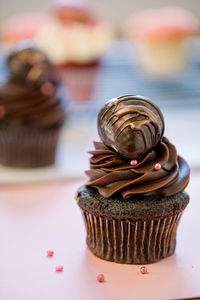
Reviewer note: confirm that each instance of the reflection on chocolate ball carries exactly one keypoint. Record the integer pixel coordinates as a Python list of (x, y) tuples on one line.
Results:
[(28, 65), (131, 124)]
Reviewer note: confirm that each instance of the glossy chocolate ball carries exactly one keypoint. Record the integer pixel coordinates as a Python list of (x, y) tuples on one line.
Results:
[(131, 124), (28, 65)]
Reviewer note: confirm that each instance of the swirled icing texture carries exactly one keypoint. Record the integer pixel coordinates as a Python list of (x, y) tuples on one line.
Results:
[(131, 124), (111, 173), (23, 98)]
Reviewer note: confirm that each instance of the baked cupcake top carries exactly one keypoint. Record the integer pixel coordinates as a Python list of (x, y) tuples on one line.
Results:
[(134, 157), (162, 24), (30, 93)]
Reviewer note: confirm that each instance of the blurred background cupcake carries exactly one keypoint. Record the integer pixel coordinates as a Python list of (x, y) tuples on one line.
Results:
[(31, 110), (161, 37), (21, 26), (74, 41)]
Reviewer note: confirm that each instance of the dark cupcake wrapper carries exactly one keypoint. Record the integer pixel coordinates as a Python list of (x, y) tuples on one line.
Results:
[(28, 147), (131, 241)]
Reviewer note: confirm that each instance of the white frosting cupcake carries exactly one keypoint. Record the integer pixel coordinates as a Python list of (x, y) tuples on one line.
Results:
[(72, 35), (75, 43)]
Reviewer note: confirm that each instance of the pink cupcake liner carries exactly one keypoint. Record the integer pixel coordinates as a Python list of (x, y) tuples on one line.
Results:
[(80, 81)]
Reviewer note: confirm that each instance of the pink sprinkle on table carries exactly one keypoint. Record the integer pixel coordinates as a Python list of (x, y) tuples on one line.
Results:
[(59, 269), (133, 162), (100, 278), (157, 167), (50, 253), (143, 270)]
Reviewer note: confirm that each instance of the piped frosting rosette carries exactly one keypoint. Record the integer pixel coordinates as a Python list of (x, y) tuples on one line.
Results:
[(156, 168)]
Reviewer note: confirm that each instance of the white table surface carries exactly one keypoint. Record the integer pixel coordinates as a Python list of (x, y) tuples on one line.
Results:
[(38, 217)]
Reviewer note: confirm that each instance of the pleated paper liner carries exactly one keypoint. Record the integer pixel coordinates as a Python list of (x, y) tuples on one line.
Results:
[(80, 80), (130, 241), (28, 147)]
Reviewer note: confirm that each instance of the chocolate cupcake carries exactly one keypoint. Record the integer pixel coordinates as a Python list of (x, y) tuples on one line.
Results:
[(31, 111), (135, 196)]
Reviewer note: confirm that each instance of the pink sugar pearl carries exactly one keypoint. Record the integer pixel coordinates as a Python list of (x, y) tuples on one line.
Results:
[(50, 253), (100, 278), (143, 270), (133, 162), (59, 269), (47, 89), (157, 167)]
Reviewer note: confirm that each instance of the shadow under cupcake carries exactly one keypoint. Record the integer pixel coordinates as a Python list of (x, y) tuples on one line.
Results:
[(31, 112)]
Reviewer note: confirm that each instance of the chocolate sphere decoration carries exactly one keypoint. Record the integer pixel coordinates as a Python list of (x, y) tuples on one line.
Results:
[(131, 124), (28, 65)]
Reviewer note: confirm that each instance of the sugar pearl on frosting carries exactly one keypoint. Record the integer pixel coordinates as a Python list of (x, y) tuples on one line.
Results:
[(133, 162), (157, 167), (50, 253), (47, 89)]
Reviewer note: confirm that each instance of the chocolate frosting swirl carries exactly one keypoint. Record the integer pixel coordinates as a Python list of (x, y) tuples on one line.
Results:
[(30, 94), (131, 128), (112, 173), (131, 124)]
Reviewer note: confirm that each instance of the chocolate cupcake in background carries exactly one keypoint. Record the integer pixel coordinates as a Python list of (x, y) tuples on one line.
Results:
[(135, 196), (31, 111)]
